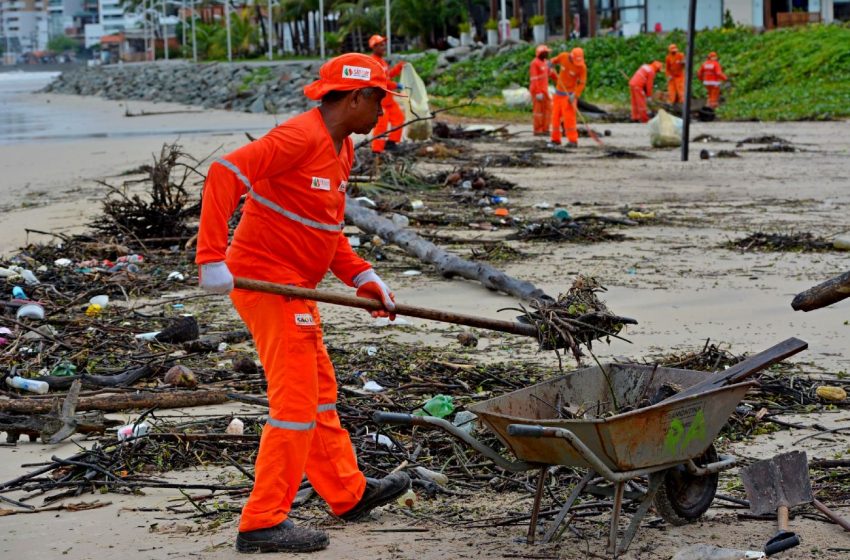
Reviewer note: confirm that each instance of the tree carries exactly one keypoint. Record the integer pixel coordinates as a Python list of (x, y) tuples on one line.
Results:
[(427, 19), (61, 44), (360, 19)]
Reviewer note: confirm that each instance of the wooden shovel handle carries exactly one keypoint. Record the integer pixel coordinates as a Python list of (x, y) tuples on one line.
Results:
[(374, 305), (782, 518), (832, 515)]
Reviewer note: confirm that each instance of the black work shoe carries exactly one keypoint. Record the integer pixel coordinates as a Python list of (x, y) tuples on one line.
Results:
[(572, 145), (378, 493), (283, 537), (391, 146)]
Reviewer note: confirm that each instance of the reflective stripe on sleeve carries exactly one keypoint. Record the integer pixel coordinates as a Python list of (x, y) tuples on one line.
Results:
[(294, 426), (276, 207), (326, 407)]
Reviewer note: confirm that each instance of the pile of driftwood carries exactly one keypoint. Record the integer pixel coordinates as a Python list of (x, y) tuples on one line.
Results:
[(801, 242)]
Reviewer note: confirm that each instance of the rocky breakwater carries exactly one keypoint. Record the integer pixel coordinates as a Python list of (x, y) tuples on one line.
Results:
[(254, 87)]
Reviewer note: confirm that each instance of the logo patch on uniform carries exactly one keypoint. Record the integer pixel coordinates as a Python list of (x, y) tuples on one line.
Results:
[(320, 183), (304, 320), (357, 73), (343, 186)]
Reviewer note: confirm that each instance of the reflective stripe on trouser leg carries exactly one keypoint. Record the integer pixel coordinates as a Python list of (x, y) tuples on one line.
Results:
[(542, 115), (331, 464), (288, 354), (559, 109), (381, 127)]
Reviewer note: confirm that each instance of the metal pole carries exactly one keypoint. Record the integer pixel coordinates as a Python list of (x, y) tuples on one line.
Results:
[(322, 29), (689, 75), (269, 30), (227, 25), (194, 39), (389, 28), (164, 31), (183, 27)]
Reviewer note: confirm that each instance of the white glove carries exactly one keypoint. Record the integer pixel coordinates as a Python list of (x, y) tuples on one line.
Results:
[(370, 285), (539, 97), (215, 278)]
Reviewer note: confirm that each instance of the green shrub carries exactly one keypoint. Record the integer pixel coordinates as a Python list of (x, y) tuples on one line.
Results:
[(537, 20), (491, 25)]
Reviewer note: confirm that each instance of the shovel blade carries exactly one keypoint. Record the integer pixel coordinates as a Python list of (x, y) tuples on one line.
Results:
[(780, 481)]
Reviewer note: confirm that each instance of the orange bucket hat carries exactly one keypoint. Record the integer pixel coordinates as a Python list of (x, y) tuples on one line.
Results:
[(541, 49), (577, 54), (348, 72)]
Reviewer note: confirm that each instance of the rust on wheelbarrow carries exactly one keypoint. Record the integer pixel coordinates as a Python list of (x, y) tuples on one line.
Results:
[(608, 410)]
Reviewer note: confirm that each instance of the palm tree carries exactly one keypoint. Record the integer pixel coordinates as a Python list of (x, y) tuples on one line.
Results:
[(360, 18)]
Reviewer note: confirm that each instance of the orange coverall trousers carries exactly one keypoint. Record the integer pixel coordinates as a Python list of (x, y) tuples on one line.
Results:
[(713, 96), (542, 109), (393, 116), (303, 433), (676, 89), (562, 109), (639, 105)]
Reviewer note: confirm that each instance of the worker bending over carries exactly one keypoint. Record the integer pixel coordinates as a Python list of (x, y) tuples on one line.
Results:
[(295, 178), (539, 74), (570, 84), (674, 69), (711, 75), (393, 116), (641, 88)]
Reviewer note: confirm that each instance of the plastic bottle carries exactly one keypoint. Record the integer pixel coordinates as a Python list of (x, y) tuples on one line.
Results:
[(30, 385), (433, 476), (439, 406), (133, 430), (408, 499)]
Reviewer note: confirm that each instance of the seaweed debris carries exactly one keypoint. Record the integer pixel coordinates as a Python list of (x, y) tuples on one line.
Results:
[(802, 242)]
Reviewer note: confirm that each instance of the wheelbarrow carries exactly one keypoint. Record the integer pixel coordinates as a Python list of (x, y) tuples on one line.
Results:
[(618, 422)]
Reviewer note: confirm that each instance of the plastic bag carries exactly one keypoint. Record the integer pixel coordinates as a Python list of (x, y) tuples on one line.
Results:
[(416, 104), (665, 130), (516, 97)]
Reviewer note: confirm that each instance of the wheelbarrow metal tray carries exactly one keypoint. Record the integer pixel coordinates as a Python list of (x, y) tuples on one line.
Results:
[(641, 438)]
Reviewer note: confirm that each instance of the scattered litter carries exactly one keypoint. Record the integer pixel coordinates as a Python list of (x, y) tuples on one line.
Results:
[(148, 336), (466, 421), (366, 201), (400, 220), (542, 205), (764, 139), (411, 272), (18, 293), (561, 214), (176, 275), (180, 376), (665, 130), (235, 428), (711, 552), (101, 300), (30, 310), (385, 322), (639, 216), (439, 406), (381, 440), (832, 394), (408, 499), (373, 387), (31, 385), (792, 242), (417, 204), (93, 310), (708, 138), (842, 243), (133, 430), (63, 262), (432, 476), (370, 350), (707, 154), (617, 153)]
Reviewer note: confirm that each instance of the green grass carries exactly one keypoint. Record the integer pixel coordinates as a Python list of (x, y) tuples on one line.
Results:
[(790, 74)]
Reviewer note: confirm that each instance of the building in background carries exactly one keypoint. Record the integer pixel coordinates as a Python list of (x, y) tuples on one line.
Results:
[(24, 26)]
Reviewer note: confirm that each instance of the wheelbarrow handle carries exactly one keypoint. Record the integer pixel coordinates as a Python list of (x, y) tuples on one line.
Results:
[(397, 418)]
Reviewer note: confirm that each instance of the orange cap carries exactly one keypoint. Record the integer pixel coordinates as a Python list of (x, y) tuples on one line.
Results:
[(657, 65), (577, 54), (712, 55), (376, 40), (672, 48), (541, 49), (348, 72)]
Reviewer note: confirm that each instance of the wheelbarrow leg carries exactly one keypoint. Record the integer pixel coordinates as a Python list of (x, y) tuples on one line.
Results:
[(577, 490), (637, 518), (615, 518), (538, 497)]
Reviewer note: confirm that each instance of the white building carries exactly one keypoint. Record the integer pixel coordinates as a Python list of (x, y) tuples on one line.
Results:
[(24, 25)]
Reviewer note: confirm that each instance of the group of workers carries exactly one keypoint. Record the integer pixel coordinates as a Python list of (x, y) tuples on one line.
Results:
[(571, 78), (641, 83)]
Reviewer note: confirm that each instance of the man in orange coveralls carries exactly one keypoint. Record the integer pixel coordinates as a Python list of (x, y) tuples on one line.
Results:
[(295, 179), (393, 115), (569, 87), (641, 88), (711, 75), (674, 69), (539, 74)]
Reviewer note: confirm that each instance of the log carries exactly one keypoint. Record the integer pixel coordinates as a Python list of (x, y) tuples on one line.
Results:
[(829, 292), (447, 264), (122, 401), (123, 379)]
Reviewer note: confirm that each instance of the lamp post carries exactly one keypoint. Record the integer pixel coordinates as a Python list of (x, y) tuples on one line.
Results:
[(504, 23), (269, 32), (322, 29), (183, 26), (389, 29), (194, 40), (164, 31), (227, 25)]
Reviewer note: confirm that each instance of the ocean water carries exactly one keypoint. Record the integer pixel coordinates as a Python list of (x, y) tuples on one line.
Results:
[(20, 117)]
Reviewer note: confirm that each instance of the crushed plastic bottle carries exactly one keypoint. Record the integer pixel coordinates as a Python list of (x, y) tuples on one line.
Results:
[(235, 428), (31, 385), (465, 420), (64, 369), (433, 476), (133, 430), (30, 310), (439, 406)]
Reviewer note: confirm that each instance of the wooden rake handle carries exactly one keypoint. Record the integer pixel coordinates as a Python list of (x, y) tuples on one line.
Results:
[(374, 305)]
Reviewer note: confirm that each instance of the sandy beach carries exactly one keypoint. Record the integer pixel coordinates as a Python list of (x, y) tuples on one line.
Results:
[(672, 277)]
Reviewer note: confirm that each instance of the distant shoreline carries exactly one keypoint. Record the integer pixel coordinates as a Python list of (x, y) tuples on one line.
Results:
[(33, 68)]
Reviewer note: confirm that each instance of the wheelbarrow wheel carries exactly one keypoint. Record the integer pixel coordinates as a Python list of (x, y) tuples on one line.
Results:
[(682, 498)]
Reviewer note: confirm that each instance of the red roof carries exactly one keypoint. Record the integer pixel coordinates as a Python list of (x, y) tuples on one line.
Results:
[(115, 39)]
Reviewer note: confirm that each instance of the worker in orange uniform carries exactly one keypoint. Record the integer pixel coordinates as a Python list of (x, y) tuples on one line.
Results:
[(571, 80), (711, 75), (674, 69), (393, 115), (539, 74), (295, 178), (641, 88)]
